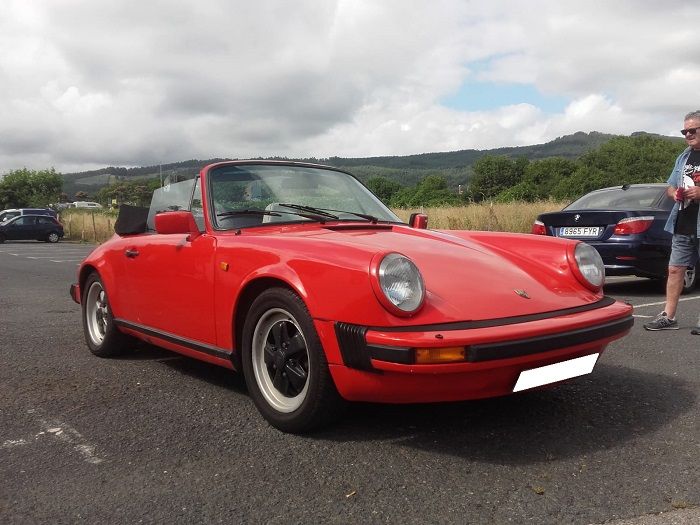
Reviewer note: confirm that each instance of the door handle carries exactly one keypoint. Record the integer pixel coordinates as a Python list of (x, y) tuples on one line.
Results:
[(131, 253)]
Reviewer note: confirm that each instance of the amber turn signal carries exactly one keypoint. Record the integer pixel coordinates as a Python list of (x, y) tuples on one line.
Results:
[(439, 355)]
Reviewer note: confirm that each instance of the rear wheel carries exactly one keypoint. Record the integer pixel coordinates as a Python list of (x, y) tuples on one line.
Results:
[(284, 364), (2, 238), (101, 334), (53, 237)]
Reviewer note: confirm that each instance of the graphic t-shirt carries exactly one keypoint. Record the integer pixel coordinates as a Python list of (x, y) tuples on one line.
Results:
[(687, 221)]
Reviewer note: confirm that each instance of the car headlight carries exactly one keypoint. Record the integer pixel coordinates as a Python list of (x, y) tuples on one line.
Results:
[(589, 266), (399, 284)]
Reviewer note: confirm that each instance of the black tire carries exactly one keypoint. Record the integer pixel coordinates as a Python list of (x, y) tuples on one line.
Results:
[(53, 237), (101, 334), (284, 365), (690, 280), (2, 238)]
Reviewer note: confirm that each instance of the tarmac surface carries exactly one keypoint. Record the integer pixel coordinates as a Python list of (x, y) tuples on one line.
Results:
[(155, 437)]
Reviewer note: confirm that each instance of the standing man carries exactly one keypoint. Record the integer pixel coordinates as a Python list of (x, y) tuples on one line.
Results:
[(682, 222)]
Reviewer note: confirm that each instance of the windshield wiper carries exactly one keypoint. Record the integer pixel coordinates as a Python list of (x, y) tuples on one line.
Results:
[(310, 209), (326, 212), (320, 216), (247, 212)]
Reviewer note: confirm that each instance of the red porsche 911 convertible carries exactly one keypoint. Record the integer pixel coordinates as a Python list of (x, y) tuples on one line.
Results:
[(299, 277)]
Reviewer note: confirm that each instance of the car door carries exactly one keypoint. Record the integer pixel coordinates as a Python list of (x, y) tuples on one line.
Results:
[(171, 278), (22, 228)]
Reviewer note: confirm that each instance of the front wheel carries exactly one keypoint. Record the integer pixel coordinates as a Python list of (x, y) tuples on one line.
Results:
[(101, 334), (284, 364)]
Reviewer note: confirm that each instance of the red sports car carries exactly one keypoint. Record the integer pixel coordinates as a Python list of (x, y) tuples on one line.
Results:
[(299, 277)]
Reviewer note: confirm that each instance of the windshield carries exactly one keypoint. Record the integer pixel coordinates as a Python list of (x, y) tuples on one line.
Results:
[(631, 198), (255, 194)]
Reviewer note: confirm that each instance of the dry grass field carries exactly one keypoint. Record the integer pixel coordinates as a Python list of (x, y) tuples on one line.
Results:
[(98, 226)]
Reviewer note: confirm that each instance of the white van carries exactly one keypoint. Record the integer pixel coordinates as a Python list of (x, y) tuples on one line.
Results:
[(86, 204)]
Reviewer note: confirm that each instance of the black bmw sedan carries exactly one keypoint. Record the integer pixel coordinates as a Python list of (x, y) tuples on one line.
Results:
[(625, 224)]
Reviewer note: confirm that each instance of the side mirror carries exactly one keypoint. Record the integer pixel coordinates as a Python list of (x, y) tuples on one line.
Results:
[(418, 221), (169, 222)]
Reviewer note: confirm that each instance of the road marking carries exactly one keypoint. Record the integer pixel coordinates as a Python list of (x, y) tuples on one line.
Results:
[(659, 303), (63, 432)]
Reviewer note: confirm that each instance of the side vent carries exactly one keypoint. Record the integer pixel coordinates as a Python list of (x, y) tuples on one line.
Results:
[(353, 346)]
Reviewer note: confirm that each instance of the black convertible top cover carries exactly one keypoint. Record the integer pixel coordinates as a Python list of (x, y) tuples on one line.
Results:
[(131, 220)]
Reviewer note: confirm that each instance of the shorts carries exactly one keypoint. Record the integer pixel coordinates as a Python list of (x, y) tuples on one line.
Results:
[(684, 251)]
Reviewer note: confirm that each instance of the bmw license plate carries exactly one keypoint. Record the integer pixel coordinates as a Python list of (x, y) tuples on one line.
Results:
[(580, 231), (556, 372)]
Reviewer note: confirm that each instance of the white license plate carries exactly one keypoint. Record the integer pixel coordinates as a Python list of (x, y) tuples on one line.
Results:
[(580, 231), (555, 372)]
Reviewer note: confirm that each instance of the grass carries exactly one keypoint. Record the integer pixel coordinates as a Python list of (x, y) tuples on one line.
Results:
[(98, 226), (514, 217)]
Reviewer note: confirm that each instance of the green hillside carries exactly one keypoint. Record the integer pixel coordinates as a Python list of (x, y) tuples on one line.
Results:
[(455, 166)]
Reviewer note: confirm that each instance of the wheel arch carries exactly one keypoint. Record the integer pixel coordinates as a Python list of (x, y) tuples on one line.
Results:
[(248, 294)]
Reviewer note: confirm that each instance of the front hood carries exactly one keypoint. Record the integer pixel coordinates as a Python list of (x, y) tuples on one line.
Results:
[(465, 278)]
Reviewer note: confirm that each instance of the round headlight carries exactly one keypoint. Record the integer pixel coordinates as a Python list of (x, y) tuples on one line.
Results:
[(590, 265), (401, 282)]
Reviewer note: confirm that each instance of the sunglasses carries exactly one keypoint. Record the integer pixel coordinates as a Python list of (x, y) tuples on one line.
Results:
[(689, 131)]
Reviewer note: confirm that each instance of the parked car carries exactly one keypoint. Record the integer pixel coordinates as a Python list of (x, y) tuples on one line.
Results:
[(28, 227), (86, 204), (298, 276), (15, 212), (625, 224)]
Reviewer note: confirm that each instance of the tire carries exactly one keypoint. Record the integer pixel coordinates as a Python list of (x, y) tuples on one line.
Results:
[(2, 238), (101, 334), (53, 237), (284, 365), (690, 280)]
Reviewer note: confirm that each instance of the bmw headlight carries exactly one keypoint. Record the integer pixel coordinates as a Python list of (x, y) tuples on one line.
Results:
[(401, 284), (590, 266)]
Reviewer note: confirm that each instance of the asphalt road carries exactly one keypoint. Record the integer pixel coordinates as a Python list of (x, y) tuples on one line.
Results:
[(156, 438)]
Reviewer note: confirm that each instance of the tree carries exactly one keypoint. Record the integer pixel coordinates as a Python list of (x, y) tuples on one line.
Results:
[(431, 191), (383, 188), (492, 175), (29, 188), (136, 192), (539, 179)]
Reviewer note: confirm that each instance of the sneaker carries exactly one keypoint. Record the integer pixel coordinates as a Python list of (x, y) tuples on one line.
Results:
[(662, 322)]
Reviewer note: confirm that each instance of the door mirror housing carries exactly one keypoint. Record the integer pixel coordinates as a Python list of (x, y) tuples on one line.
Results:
[(170, 222), (418, 221)]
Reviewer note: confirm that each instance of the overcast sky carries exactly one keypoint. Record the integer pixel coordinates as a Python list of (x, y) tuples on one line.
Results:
[(93, 83)]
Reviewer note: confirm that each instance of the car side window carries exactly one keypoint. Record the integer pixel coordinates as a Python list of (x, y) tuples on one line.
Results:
[(25, 221), (44, 220)]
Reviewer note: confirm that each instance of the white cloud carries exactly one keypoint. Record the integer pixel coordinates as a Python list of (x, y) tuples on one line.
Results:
[(90, 83)]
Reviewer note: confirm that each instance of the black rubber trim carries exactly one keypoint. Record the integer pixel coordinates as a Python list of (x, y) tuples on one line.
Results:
[(353, 345), (393, 354), (522, 347), (165, 336), (489, 323)]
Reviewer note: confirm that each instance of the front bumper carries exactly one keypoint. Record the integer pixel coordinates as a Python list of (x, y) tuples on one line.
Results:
[(375, 364)]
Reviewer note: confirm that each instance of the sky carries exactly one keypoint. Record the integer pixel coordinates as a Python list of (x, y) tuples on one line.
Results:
[(86, 84)]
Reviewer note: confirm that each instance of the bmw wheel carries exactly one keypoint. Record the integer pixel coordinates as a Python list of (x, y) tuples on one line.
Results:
[(101, 334), (284, 364)]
